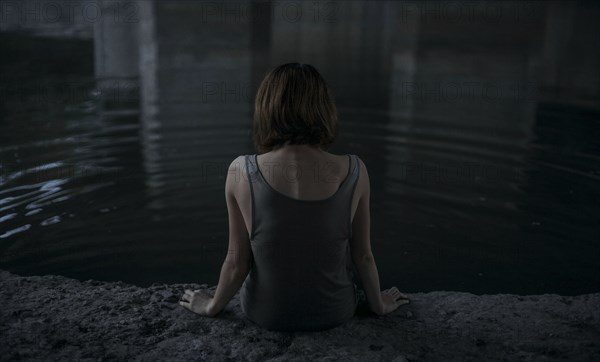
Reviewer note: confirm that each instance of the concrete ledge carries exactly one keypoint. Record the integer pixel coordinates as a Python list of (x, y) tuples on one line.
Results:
[(53, 318)]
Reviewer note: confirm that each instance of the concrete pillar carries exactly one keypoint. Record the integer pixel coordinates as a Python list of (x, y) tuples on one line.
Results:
[(570, 67), (196, 66), (116, 53)]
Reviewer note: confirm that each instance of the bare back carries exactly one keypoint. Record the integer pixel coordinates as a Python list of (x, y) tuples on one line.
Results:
[(303, 176)]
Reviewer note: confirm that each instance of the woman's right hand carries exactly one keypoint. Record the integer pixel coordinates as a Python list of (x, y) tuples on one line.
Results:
[(392, 299)]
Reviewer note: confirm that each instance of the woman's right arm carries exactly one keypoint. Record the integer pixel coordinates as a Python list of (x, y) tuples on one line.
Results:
[(362, 257)]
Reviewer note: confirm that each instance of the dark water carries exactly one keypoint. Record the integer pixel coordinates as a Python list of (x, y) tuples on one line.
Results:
[(495, 199)]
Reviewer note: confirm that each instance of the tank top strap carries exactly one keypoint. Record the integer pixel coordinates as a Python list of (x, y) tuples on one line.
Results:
[(254, 174), (250, 165), (354, 171), (347, 186), (251, 176)]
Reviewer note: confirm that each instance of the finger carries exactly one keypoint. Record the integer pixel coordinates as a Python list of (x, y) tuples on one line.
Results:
[(403, 295), (184, 299), (394, 289), (188, 293), (395, 292), (403, 301), (185, 304)]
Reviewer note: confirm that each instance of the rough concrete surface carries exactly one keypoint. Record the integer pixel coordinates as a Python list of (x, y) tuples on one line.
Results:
[(54, 318)]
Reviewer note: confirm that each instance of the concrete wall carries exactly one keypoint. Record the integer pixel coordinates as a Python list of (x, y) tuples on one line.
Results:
[(49, 18)]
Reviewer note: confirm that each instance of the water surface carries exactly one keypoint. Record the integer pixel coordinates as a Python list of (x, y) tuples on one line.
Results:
[(469, 195)]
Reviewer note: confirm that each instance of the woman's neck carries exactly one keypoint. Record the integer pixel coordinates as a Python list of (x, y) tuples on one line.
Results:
[(288, 149)]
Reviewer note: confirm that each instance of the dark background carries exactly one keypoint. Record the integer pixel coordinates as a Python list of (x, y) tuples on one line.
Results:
[(478, 122)]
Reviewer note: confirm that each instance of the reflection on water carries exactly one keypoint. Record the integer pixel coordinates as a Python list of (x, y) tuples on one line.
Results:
[(480, 192)]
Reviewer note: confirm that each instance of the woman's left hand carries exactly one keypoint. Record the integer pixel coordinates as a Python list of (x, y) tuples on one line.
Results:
[(198, 301)]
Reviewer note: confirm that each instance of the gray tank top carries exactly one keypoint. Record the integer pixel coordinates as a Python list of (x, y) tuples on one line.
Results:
[(301, 277)]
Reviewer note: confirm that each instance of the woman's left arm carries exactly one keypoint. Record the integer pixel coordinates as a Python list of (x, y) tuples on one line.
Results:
[(239, 255)]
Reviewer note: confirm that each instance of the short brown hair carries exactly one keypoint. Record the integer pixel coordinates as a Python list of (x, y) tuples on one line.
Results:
[(294, 103)]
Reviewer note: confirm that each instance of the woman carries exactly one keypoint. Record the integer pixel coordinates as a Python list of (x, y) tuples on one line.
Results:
[(298, 216)]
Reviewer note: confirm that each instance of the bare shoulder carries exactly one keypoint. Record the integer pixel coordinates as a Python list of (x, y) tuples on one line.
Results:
[(237, 164), (235, 173)]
